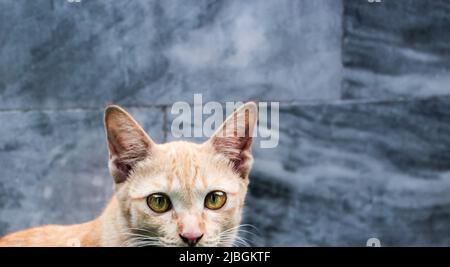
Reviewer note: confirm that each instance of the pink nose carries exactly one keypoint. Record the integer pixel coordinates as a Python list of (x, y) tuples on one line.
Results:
[(191, 238)]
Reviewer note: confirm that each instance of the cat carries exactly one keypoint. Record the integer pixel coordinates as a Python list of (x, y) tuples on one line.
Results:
[(173, 194)]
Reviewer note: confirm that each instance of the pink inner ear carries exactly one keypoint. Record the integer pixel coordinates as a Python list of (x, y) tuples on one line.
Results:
[(241, 165), (122, 172), (237, 150), (127, 152)]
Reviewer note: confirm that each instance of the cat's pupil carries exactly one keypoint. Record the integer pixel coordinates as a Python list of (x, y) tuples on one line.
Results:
[(159, 201)]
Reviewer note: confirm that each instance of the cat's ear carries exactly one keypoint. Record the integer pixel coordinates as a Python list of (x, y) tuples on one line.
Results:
[(233, 139), (127, 142)]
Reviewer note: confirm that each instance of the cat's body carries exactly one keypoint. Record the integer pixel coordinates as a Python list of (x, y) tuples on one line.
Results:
[(173, 194), (101, 232)]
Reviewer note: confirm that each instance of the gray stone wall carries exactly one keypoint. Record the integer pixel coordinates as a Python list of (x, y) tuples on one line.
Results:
[(364, 90)]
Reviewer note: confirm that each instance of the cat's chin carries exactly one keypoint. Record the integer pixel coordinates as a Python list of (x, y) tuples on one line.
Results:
[(203, 244)]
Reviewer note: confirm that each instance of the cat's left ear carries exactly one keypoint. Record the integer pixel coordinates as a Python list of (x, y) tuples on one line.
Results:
[(127, 142), (234, 138)]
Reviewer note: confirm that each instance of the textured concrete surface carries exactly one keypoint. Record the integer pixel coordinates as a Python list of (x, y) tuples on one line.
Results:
[(54, 165), (350, 171), (396, 49), (60, 54), (364, 122)]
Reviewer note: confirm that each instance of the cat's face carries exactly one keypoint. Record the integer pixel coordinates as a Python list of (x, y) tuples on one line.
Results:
[(181, 193)]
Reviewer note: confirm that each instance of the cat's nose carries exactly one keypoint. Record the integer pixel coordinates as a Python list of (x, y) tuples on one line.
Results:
[(191, 238)]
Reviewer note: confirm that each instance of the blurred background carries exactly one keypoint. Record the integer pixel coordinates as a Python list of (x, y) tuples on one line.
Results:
[(364, 92)]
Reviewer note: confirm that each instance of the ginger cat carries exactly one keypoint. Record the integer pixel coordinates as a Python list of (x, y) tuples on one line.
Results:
[(173, 194)]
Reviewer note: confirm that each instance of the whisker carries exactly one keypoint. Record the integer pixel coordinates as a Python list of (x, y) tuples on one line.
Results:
[(140, 237), (232, 236)]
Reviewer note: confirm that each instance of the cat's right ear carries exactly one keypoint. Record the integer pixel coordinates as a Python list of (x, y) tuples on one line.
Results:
[(127, 142)]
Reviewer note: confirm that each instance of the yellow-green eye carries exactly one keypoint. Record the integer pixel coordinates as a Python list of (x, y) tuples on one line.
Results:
[(159, 202), (215, 200)]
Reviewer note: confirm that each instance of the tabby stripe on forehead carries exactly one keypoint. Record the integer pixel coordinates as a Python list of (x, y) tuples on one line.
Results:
[(169, 181)]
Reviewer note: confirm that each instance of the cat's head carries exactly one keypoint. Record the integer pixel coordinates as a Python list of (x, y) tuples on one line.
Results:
[(181, 193)]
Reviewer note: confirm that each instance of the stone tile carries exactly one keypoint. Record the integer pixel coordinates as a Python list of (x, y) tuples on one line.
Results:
[(396, 49), (54, 165), (57, 54), (346, 172), (342, 173)]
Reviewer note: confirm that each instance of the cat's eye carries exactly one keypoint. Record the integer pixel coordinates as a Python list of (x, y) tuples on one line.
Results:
[(215, 200), (159, 202)]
